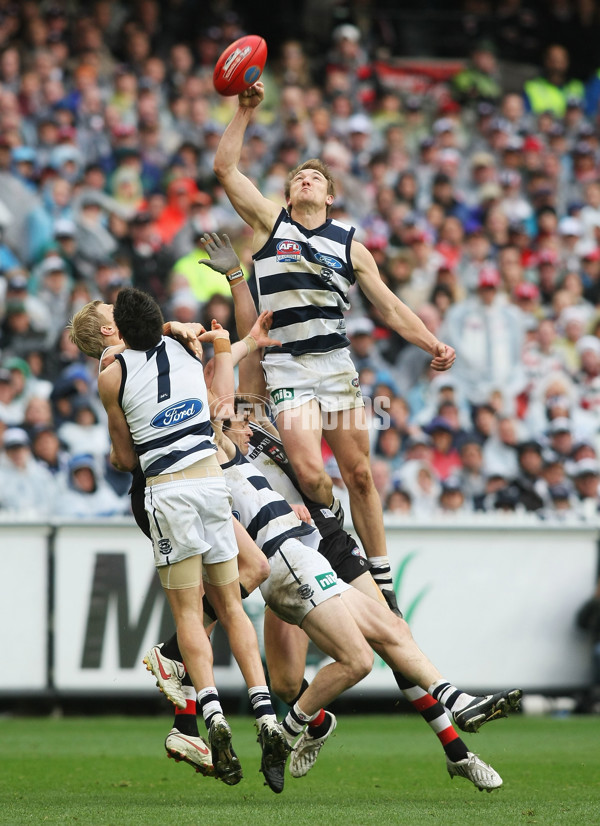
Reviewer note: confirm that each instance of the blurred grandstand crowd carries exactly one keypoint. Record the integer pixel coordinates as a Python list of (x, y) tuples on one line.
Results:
[(480, 203)]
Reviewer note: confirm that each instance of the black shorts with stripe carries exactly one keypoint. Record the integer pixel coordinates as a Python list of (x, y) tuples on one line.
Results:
[(342, 553)]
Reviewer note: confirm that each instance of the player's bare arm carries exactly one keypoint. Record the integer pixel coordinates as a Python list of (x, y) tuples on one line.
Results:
[(256, 210), (222, 388), (394, 312), (122, 451), (224, 259)]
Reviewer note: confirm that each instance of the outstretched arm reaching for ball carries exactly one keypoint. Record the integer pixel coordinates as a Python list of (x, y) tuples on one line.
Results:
[(257, 211)]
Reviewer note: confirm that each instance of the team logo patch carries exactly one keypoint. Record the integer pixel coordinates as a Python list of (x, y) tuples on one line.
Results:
[(251, 74), (177, 413), (288, 251), (326, 275), (328, 260), (284, 394), (327, 580), (277, 455), (164, 546), (305, 592), (355, 382)]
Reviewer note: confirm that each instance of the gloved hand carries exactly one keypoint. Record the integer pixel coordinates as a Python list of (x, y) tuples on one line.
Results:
[(222, 256)]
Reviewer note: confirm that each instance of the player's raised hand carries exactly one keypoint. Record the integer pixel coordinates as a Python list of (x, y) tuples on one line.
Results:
[(252, 97), (444, 357), (260, 330), (222, 257)]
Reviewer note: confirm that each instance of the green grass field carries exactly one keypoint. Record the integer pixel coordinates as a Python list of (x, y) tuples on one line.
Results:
[(376, 769)]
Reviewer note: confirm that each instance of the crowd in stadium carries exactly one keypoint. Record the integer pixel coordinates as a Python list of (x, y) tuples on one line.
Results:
[(480, 204)]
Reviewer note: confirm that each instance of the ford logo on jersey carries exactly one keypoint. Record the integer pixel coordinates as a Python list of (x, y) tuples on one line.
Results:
[(288, 251), (328, 261), (177, 413)]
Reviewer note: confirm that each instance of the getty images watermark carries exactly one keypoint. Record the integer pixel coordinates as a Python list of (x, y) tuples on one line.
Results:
[(370, 414)]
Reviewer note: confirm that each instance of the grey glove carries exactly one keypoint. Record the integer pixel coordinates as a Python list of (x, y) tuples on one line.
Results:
[(222, 256)]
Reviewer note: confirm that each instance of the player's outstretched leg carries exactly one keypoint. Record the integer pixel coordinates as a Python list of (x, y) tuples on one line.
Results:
[(484, 709), (309, 744), (224, 759), (168, 673), (192, 750), (275, 752), (472, 768)]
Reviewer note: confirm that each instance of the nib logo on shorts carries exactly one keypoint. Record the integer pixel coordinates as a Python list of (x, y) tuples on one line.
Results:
[(326, 580), (284, 394)]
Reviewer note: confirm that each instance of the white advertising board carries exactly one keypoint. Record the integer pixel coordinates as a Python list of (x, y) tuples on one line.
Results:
[(24, 608), (491, 608)]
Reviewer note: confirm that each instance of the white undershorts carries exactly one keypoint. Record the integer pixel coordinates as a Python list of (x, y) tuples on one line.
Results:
[(330, 378), (300, 579), (189, 517)]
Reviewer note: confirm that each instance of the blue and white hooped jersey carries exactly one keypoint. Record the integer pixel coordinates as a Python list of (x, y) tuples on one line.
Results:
[(163, 396), (265, 514), (303, 276)]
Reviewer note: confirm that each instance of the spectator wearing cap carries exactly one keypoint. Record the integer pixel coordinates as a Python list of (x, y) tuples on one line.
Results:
[(585, 475), (85, 432), (477, 255), (363, 347), (530, 483), (86, 494), (444, 195), (418, 478), (26, 487), (452, 499), (55, 293), (590, 212), (471, 476), (480, 80), (500, 449), (18, 287), (587, 379), (560, 436), (550, 91), (147, 258), (49, 452), (526, 296), (541, 357), (571, 325), (348, 57), (444, 458), (487, 334), (590, 271), (398, 501), (205, 216)]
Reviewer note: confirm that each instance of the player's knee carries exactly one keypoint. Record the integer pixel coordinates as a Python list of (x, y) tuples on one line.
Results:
[(363, 664), (252, 576), (359, 478), (284, 687), (310, 477)]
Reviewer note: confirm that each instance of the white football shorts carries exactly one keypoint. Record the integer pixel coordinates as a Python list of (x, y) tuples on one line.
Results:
[(330, 378), (188, 517), (300, 579)]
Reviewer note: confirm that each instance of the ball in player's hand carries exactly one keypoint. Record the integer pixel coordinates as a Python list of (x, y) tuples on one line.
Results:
[(240, 65)]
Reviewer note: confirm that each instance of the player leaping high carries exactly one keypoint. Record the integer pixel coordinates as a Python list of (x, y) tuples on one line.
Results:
[(305, 264)]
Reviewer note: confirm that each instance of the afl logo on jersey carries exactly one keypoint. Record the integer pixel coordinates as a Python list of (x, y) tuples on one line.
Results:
[(328, 261), (288, 251), (177, 413)]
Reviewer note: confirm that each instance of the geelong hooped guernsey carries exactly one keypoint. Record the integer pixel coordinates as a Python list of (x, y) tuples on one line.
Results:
[(268, 455), (163, 396), (265, 514), (303, 276)]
